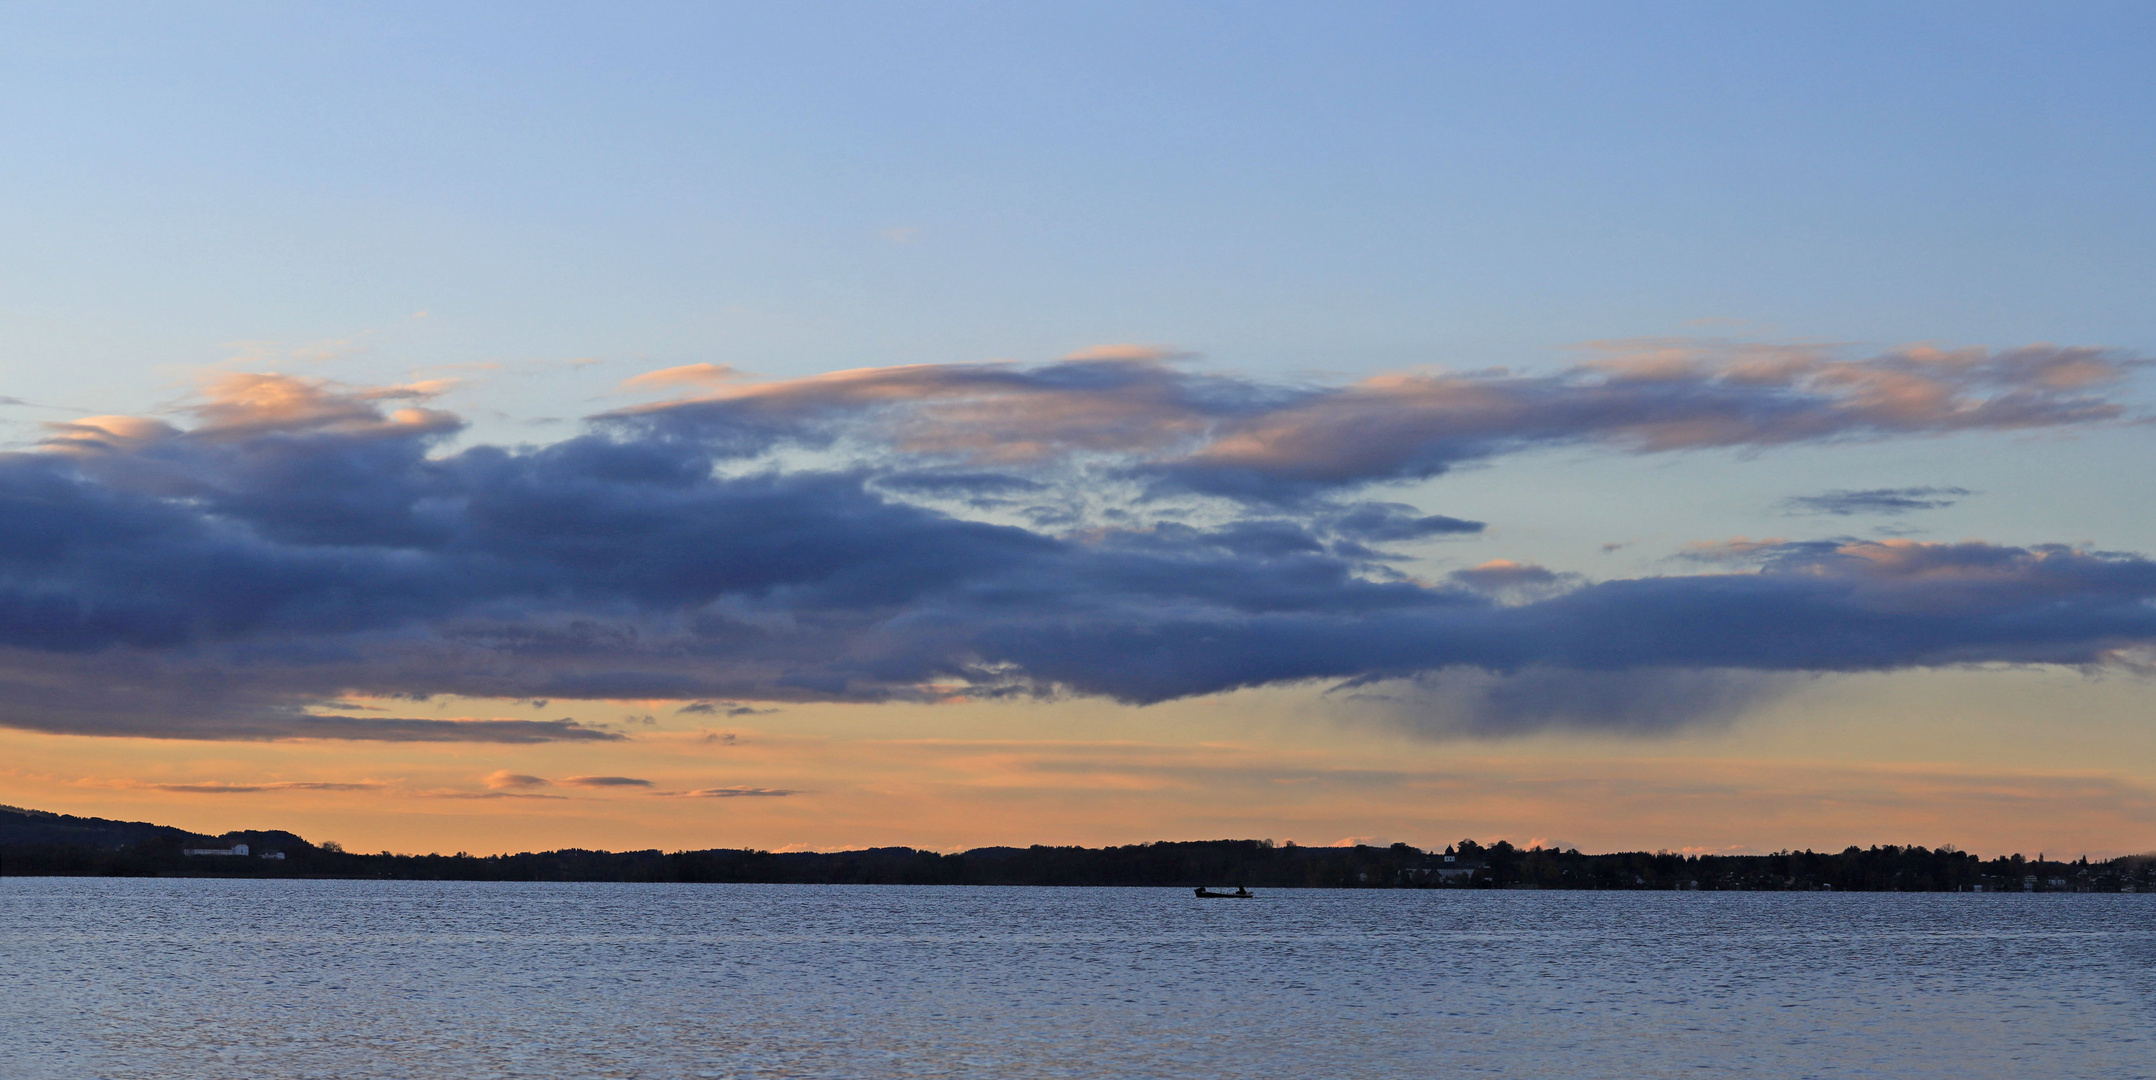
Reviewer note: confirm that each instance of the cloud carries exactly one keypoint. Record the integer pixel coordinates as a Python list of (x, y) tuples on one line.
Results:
[(728, 708), (729, 793), (1852, 606), (243, 789), (1114, 403), (604, 781), (506, 779), (247, 690), (1736, 549), (402, 730), (958, 483), (301, 544), (487, 795), (685, 375), (1504, 575), (1876, 500), (1380, 522), (1127, 351), (1183, 431), (1640, 701)]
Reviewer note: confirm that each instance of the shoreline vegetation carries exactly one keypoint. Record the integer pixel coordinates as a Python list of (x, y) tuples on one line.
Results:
[(35, 843)]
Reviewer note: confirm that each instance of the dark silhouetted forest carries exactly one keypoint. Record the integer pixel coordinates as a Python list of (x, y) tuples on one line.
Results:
[(34, 843)]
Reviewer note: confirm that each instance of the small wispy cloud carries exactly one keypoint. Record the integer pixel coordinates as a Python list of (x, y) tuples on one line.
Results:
[(730, 793), (1876, 501), (1734, 549), (685, 375), (407, 729), (487, 795), (604, 781), (726, 708), (216, 788)]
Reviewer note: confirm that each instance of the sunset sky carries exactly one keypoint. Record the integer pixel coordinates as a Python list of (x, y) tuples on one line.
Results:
[(841, 425)]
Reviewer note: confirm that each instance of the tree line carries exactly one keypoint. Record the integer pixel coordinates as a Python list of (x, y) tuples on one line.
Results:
[(35, 843)]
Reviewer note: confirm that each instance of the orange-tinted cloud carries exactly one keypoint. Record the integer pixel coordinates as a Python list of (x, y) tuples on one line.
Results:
[(1218, 435), (685, 375), (221, 788)]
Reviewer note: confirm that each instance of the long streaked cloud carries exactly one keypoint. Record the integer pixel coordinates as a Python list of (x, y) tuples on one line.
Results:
[(730, 793), (489, 795), (217, 788), (506, 784), (1846, 503), (292, 543), (1180, 430)]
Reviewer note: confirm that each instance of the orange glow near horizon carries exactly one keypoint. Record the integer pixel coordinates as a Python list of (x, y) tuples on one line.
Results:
[(1256, 765)]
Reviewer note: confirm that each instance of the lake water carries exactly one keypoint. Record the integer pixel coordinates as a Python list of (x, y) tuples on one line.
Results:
[(129, 979)]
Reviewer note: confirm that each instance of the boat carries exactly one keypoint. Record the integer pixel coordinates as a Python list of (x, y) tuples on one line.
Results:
[(1240, 893)]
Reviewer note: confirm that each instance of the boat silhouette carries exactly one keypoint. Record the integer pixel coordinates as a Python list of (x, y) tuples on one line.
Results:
[(1240, 893)]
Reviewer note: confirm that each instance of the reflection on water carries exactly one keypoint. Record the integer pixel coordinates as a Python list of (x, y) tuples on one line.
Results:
[(212, 979)]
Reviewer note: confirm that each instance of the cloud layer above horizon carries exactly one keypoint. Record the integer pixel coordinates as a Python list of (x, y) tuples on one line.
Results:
[(1116, 524)]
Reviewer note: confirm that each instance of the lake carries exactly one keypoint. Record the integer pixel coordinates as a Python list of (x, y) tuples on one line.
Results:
[(125, 979)]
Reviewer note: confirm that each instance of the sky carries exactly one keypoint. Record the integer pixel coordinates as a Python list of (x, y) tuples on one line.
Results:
[(822, 426)]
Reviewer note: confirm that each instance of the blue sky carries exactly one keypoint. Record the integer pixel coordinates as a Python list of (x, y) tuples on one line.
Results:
[(540, 203), (1279, 187)]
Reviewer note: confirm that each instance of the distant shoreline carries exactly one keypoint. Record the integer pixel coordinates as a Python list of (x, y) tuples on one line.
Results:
[(39, 844)]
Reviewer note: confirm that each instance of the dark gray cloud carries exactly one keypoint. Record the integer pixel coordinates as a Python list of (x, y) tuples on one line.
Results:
[(1641, 701), (1826, 607), (1382, 522), (1877, 500), (1514, 583), (727, 708), (239, 690), (300, 545), (958, 483)]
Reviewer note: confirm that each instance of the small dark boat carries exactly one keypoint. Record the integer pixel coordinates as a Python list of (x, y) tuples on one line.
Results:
[(1240, 893)]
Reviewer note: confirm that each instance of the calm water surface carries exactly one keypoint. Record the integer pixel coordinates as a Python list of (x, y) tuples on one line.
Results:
[(350, 980)]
